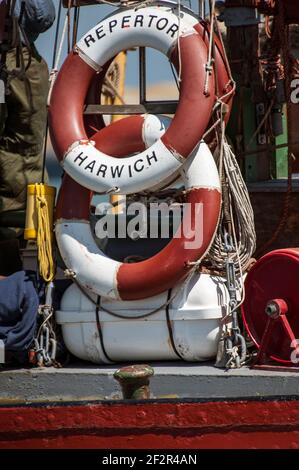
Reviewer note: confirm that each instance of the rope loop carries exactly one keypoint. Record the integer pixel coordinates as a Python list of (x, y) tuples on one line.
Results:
[(44, 235)]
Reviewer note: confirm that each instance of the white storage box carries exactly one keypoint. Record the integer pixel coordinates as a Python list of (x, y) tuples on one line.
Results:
[(195, 314)]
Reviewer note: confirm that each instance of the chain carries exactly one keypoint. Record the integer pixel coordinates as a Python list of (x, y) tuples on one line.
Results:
[(235, 345), (44, 348)]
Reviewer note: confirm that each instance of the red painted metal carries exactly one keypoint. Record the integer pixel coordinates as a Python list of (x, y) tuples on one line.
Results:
[(274, 276), (219, 424), (276, 311)]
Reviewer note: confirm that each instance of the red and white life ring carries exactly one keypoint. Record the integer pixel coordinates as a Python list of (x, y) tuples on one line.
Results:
[(225, 86), (132, 134), (103, 276), (148, 26)]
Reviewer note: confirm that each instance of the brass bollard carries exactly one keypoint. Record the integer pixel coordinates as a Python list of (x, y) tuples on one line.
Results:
[(134, 381)]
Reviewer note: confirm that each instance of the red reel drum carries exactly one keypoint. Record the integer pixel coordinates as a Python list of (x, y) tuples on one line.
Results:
[(274, 277)]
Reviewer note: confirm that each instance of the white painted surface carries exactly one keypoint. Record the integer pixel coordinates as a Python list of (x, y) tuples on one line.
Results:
[(100, 172), (200, 170), (153, 128), (94, 270), (195, 312), (146, 27)]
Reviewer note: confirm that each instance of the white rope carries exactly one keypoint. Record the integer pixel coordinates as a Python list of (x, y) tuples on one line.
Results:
[(179, 44), (241, 214), (54, 71), (209, 64)]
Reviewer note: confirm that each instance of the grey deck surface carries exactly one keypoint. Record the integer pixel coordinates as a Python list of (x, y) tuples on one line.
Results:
[(171, 380)]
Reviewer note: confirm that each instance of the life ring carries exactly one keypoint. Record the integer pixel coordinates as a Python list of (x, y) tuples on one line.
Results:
[(103, 276), (148, 26), (224, 87), (131, 134)]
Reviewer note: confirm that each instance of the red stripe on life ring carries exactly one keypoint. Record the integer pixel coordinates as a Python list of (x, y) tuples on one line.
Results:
[(171, 265), (68, 98)]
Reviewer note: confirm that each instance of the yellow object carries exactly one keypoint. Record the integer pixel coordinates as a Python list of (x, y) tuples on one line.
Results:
[(120, 62), (119, 201), (39, 225)]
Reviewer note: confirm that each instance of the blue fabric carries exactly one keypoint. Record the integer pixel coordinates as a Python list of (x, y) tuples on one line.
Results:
[(39, 16), (18, 312)]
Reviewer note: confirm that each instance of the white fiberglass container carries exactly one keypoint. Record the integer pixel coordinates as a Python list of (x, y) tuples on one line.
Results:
[(195, 314)]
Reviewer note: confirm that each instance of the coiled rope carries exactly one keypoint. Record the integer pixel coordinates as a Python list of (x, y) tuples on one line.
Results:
[(240, 215), (44, 235)]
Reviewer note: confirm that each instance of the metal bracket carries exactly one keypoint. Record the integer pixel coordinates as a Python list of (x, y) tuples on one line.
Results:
[(276, 310)]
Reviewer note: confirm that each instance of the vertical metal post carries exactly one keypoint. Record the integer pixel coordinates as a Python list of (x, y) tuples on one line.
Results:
[(119, 200), (142, 75)]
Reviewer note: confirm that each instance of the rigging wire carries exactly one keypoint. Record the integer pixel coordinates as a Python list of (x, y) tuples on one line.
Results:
[(76, 24), (56, 34), (50, 89)]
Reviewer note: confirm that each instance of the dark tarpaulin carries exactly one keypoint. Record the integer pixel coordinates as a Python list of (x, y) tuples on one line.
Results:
[(18, 312)]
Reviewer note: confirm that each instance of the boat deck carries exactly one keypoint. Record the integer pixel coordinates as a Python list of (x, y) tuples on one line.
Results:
[(85, 382)]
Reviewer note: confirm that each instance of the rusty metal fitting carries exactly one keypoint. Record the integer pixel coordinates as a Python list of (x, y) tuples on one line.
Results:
[(134, 381)]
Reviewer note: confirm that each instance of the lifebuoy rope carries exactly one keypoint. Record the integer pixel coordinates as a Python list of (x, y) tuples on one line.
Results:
[(210, 61), (241, 214)]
